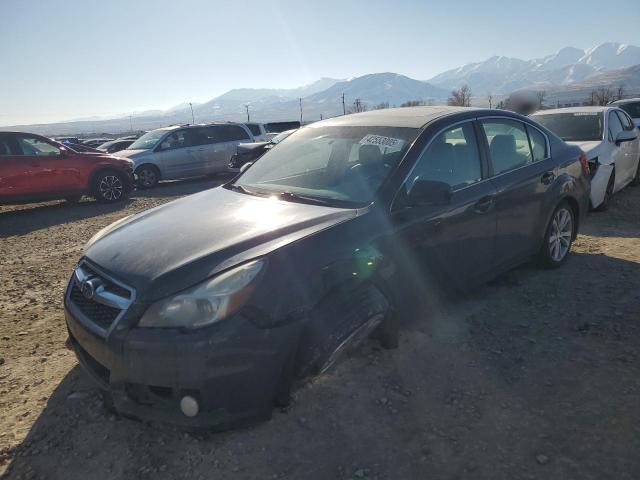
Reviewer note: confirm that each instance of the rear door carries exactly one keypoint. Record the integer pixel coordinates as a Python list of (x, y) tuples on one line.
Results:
[(213, 149), (454, 241), (15, 169), (521, 172)]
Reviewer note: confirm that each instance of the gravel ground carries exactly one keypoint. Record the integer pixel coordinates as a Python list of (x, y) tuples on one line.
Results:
[(535, 375)]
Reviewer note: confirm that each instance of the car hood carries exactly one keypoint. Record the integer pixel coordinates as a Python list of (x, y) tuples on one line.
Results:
[(178, 244), (589, 147), (130, 153)]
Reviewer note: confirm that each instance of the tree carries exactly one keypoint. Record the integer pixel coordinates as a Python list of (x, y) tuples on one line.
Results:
[(357, 107), (381, 106), (460, 97), (490, 98), (412, 103), (601, 96), (540, 95), (620, 92)]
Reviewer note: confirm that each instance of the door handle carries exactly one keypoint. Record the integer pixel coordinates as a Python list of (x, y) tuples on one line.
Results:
[(484, 204), (547, 177)]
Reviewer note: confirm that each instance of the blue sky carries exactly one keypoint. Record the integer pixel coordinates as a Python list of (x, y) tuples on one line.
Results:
[(64, 59)]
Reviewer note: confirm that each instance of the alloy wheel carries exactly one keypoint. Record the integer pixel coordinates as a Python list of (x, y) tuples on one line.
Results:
[(111, 187), (147, 177), (560, 235)]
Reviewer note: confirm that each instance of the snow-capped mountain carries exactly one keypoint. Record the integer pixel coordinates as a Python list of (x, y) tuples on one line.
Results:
[(504, 74)]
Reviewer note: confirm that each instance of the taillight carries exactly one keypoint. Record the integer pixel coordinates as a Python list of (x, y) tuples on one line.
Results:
[(584, 162)]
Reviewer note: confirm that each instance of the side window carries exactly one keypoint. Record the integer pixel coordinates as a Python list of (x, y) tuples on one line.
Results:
[(633, 109), (452, 157), (254, 128), (209, 135), (627, 124), (508, 144), (615, 126), (178, 139), (231, 133), (538, 143), (34, 146), (5, 148)]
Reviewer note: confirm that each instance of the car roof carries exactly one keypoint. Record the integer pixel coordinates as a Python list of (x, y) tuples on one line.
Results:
[(553, 111), (626, 100), (411, 117)]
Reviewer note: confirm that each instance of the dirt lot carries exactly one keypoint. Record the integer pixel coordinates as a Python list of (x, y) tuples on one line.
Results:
[(536, 375)]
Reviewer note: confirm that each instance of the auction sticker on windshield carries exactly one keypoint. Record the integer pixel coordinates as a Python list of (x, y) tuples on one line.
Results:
[(585, 114), (380, 140)]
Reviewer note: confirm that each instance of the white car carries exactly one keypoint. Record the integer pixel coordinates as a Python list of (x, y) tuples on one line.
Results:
[(609, 138), (258, 131), (631, 106)]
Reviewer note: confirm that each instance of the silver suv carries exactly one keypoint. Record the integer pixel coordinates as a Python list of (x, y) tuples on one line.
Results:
[(185, 151)]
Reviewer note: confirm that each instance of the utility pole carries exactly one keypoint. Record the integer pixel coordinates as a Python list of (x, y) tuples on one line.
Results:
[(193, 119), (320, 116), (300, 110), (246, 105), (344, 108)]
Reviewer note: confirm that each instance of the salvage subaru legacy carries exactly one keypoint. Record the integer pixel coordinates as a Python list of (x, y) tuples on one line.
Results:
[(204, 310)]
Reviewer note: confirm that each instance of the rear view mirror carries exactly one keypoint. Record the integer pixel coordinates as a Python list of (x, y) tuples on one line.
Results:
[(429, 192), (165, 146), (626, 136), (245, 166)]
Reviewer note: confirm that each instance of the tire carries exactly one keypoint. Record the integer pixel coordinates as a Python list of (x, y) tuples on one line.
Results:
[(109, 187), (636, 180), (148, 176), (558, 237), (607, 193)]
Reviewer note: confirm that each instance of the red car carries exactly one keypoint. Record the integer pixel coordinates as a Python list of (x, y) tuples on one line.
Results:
[(35, 168)]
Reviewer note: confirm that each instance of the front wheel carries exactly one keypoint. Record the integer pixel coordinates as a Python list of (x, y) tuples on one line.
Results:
[(558, 237), (109, 187), (148, 176)]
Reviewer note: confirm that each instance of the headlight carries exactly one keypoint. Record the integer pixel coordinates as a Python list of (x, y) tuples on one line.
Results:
[(204, 304)]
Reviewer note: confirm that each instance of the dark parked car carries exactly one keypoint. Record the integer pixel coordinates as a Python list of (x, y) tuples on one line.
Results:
[(250, 152), (115, 145), (95, 142), (203, 311), (35, 168)]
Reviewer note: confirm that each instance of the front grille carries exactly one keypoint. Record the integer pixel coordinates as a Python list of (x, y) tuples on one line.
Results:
[(106, 300), (102, 315)]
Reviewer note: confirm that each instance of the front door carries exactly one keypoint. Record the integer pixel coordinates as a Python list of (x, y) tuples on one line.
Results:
[(452, 242)]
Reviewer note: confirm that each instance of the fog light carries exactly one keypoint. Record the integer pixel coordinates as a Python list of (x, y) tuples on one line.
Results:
[(189, 406)]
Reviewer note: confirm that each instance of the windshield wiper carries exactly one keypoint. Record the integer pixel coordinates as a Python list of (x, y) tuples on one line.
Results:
[(239, 188), (303, 198)]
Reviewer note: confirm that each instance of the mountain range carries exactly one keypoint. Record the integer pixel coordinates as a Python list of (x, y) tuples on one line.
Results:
[(567, 75)]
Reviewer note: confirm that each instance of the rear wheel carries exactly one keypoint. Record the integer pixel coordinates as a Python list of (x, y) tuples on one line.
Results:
[(148, 176), (109, 187), (558, 237)]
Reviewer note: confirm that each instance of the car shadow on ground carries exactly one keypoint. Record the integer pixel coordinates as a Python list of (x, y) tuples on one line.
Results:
[(23, 219), (553, 352)]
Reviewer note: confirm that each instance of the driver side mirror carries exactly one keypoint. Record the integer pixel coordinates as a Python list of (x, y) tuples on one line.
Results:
[(429, 192), (626, 136), (64, 153), (165, 146)]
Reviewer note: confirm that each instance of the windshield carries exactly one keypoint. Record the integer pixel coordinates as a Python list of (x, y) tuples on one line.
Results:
[(148, 140), (573, 127), (281, 136), (342, 165)]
